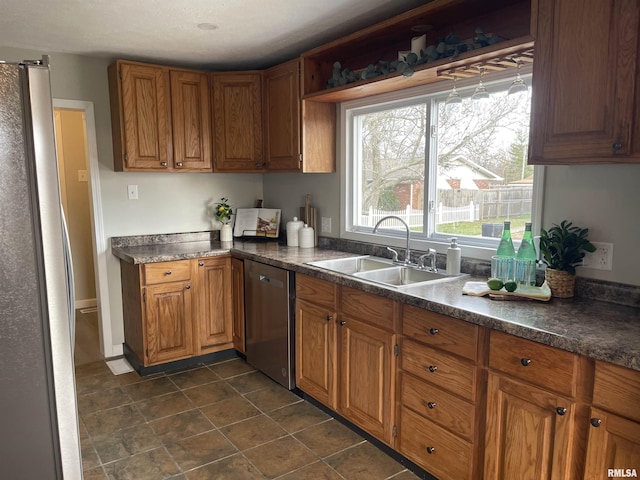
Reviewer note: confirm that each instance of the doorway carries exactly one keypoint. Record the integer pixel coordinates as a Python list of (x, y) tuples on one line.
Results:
[(80, 192)]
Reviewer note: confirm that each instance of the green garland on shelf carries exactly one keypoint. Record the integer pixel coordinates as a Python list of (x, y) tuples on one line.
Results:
[(449, 47)]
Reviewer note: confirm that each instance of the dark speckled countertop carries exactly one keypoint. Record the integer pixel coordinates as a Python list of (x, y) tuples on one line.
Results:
[(601, 330)]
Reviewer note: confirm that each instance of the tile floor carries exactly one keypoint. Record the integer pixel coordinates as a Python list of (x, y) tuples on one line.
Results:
[(217, 421)]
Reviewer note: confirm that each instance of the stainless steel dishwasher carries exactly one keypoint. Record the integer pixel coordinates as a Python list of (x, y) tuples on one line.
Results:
[(269, 296)]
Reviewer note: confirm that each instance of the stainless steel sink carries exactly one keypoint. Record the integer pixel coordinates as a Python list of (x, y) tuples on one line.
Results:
[(399, 276), (382, 271), (352, 265)]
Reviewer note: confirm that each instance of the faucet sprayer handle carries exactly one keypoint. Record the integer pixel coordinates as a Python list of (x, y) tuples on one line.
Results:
[(395, 254)]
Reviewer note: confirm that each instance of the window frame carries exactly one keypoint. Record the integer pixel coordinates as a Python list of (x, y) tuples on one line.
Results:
[(480, 248)]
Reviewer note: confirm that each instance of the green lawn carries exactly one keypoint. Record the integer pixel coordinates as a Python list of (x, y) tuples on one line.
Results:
[(475, 228)]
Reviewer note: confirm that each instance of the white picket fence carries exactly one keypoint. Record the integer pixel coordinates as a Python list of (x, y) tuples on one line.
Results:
[(414, 218)]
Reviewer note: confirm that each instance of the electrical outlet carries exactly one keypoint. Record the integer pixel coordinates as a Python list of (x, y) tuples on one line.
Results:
[(601, 259), (326, 225)]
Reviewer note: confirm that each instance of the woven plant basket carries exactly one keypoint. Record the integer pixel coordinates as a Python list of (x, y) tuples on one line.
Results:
[(560, 282)]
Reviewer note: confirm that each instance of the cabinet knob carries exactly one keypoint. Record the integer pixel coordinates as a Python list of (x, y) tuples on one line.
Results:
[(168, 272), (525, 362), (258, 165), (179, 164), (201, 264), (617, 146), (163, 164), (430, 450), (561, 411), (431, 405), (433, 331), (187, 286), (432, 368), (329, 318), (342, 322), (596, 422)]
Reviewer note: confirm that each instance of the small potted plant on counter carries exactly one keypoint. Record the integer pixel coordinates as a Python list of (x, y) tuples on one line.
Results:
[(563, 247), (223, 214)]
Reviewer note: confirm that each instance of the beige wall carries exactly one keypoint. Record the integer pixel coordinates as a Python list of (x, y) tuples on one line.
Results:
[(168, 202), (72, 157)]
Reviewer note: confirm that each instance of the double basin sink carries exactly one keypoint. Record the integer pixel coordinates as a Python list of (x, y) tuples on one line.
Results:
[(381, 270)]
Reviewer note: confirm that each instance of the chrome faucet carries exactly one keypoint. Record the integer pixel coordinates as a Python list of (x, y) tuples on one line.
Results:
[(431, 253), (407, 254)]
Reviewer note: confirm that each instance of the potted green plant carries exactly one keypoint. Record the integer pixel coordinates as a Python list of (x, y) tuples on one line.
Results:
[(563, 247), (223, 212)]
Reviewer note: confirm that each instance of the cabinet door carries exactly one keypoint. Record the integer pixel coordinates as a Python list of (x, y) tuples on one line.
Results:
[(367, 376), (316, 351), (191, 117), (614, 443), (282, 116), (237, 287), (237, 120), (526, 435), (214, 303), (583, 88), (146, 112), (169, 328)]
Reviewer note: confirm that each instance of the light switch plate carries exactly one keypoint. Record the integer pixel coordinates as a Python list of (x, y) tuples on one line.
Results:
[(326, 225), (132, 192)]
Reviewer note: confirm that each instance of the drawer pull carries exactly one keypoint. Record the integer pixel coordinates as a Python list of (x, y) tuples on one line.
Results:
[(432, 368), (433, 331), (561, 411), (163, 164), (188, 287), (596, 422), (430, 450), (168, 272), (179, 164), (525, 362), (201, 264), (329, 318), (431, 405)]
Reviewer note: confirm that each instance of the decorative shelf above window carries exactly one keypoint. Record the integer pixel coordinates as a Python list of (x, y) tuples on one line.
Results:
[(511, 20)]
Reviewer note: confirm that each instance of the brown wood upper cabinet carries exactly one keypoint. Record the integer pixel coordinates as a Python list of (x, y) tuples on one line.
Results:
[(160, 118), (299, 135), (586, 87), (237, 121)]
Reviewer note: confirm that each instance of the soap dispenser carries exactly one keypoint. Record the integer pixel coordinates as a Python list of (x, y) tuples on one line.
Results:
[(453, 258)]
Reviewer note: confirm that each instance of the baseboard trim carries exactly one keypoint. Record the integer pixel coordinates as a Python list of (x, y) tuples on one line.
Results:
[(86, 303)]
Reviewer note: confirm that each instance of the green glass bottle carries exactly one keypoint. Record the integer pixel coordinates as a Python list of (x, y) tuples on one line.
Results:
[(506, 251), (505, 248), (526, 258)]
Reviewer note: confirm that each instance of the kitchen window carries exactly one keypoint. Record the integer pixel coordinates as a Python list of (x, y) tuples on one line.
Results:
[(446, 169)]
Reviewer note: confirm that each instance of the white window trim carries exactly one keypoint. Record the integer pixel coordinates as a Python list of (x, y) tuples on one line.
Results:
[(479, 250)]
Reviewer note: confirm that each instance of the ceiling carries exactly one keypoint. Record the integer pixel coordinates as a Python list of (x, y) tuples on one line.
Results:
[(241, 34)]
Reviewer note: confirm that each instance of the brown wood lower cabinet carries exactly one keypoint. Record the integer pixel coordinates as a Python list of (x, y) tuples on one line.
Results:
[(176, 310), (168, 322), (529, 432), (237, 287), (213, 307)]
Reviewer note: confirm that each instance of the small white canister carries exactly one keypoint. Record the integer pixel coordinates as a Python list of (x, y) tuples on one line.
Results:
[(306, 238), (292, 232)]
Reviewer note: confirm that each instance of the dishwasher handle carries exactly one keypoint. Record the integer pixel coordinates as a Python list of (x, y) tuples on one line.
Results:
[(264, 278)]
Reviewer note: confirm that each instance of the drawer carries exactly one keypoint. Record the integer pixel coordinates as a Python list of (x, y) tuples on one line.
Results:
[(165, 272), (441, 331), (451, 457), (533, 362), (438, 406), (439, 368), (316, 291), (373, 309), (617, 389)]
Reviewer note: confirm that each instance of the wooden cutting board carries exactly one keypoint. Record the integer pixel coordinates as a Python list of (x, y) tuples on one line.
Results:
[(480, 289)]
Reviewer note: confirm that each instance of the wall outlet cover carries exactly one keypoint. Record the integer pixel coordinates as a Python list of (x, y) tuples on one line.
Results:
[(326, 225), (601, 259)]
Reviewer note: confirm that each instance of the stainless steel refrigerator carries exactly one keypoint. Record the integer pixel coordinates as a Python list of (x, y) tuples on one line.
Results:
[(38, 408)]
